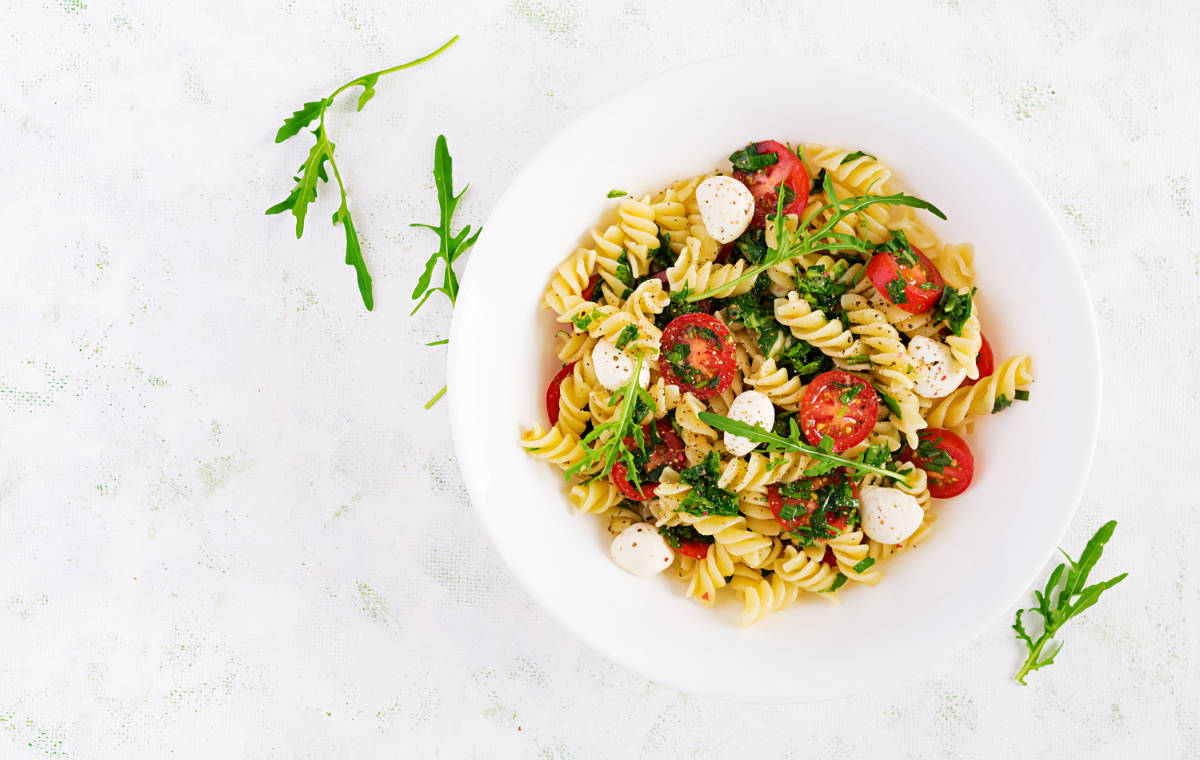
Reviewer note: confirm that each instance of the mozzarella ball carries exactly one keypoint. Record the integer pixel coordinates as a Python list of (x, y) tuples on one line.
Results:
[(752, 408), (936, 372), (889, 515), (726, 206), (641, 550), (614, 367)]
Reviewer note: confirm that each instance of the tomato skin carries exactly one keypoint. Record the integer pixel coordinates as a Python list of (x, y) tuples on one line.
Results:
[(823, 413), (554, 392), (985, 361), (954, 478), (693, 549), (884, 267), (707, 358), (668, 452), (763, 184)]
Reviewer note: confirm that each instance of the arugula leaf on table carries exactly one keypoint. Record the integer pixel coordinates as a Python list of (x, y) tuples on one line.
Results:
[(1074, 596), (313, 170), (451, 246)]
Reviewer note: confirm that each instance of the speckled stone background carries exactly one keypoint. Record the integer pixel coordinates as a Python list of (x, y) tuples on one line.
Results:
[(227, 526)]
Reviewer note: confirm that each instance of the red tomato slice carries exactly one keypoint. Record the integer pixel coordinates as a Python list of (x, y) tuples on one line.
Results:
[(668, 451), (554, 393), (697, 354), (776, 501), (592, 291), (764, 183), (922, 284), (985, 361), (693, 549), (832, 407), (946, 458)]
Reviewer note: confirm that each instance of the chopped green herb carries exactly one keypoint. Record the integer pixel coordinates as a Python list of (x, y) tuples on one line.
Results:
[(627, 334), (677, 535), (898, 246), (624, 271), (752, 246), (864, 565), (706, 497), (662, 257), (851, 393), (818, 182), (895, 290), (955, 308), (838, 582), (583, 321), (933, 457), (617, 193), (750, 160), (1022, 395), (861, 359), (1002, 402), (855, 155), (889, 401)]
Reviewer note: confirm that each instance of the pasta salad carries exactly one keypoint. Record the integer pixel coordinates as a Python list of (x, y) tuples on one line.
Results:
[(767, 376)]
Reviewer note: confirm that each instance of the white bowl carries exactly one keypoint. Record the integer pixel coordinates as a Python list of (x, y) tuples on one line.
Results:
[(988, 545)]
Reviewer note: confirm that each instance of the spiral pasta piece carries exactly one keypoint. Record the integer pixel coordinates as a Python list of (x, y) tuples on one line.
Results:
[(554, 445), (775, 383), (890, 362), (573, 412), (806, 573), (594, 497), (728, 530), (636, 219), (693, 273), (850, 548), (761, 595), (567, 285), (705, 577), (1011, 375), (811, 326), (965, 346), (748, 473)]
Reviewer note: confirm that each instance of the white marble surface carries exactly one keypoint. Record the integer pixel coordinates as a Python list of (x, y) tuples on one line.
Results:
[(227, 526)]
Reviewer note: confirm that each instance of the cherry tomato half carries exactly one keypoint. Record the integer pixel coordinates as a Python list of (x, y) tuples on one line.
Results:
[(764, 183), (914, 288), (693, 549), (841, 406), (947, 460), (776, 501), (554, 393), (985, 361), (697, 355), (667, 451), (592, 291)]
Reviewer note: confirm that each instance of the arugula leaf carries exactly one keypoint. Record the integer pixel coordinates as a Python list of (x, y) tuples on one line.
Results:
[(855, 155), (452, 246), (790, 243), (1074, 596), (605, 444), (312, 171), (773, 442)]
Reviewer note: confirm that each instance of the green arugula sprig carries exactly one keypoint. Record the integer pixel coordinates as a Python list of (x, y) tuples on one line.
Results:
[(790, 243), (1074, 596), (826, 459), (313, 171), (605, 445), (451, 246)]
